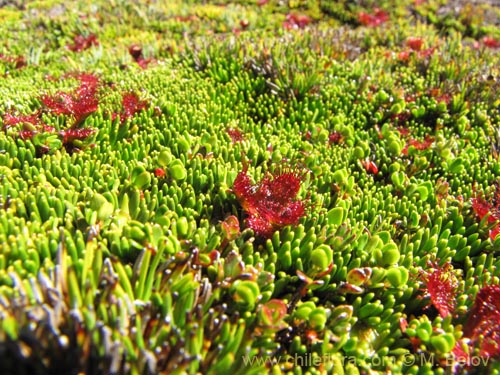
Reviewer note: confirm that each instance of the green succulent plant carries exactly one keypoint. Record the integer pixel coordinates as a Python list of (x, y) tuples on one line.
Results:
[(151, 221)]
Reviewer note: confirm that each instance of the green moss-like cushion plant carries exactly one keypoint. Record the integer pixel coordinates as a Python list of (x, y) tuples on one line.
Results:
[(249, 187)]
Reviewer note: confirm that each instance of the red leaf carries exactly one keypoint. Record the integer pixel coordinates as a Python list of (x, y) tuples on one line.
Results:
[(136, 52), (80, 103), (373, 20), (370, 166), (271, 203), (296, 21), (335, 137), (131, 105), (403, 55), (71, 135), (81, 43), (414, 43), (441, 286), (235, 134), (426, 52), (159, 172), (491, 42), (26, 134), (11, 120), (483, 324)]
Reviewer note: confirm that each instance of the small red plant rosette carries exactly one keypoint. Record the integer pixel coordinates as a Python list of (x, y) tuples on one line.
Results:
[(441, 287), (489, 209), (271, 203), (483, 323)]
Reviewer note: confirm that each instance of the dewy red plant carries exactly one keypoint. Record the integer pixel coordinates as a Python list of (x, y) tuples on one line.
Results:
[(489, 208), (414, 43), (271, 203), (441, 286), (373, 20), (136, 52), (10, 120), (71, 135), (18, 61), (483, 324), (235, 135), (131, 104), (80, 103), (419, 145), (491, 42), (81, 43), (296, 21)]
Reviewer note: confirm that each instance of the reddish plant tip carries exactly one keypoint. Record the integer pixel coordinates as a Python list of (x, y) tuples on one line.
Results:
[(80, 103), (483, 324), (415, 44), (235, 135), (81, 43), (131, 105), (369, 166), (377, 18), (296, 21), (335, 138), (441, 286), (244, 24), (491, 42), (271, 203), (489, 208), (160, 172), (419, 145), (10, 120), (231, 227), (136, 52)]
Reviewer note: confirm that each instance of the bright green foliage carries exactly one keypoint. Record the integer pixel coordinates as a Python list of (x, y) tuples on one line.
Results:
[(124, 124)]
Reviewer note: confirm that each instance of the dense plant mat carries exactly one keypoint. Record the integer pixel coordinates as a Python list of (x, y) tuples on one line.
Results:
[(249, 187)]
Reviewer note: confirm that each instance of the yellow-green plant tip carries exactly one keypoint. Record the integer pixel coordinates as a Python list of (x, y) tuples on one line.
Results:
[(317, 319), (177, 170), (245, 293), (388, 255), (142, 180), (304, 310), (336, 216), (10, 327), (397, 277), (137, 229), (164, 158), (443, 343), (182, 226), (321, 258), (358, 153)]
